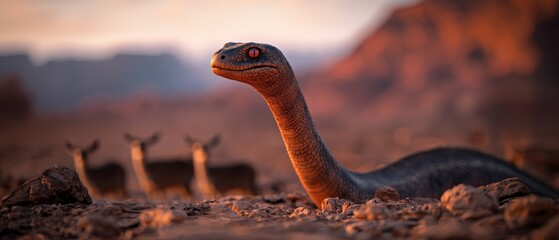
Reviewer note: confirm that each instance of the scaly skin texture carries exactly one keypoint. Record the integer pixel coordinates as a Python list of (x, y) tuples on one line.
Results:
[(424, 174)]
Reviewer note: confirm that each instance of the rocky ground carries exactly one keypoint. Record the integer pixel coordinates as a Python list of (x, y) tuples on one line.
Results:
[(56, 205)]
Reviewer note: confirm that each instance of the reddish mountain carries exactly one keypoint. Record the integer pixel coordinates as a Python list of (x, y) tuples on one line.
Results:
[(449, 58)]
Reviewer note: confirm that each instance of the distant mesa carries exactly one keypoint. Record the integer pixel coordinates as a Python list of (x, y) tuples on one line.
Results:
[(449, 58), (60, 85)]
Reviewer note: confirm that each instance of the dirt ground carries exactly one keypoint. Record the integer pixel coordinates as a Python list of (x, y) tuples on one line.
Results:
[(249, 135), (504, 210)]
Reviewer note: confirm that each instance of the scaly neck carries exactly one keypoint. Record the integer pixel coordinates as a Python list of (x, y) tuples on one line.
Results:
[(321, 175)]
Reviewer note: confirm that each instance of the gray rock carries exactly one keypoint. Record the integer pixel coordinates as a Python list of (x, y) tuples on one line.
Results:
[(335, 205), (372, 211), (387, 194), (508, 188), (57, 185), (468, 202)]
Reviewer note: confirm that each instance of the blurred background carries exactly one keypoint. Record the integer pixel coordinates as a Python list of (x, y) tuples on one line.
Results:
[(382, 78)]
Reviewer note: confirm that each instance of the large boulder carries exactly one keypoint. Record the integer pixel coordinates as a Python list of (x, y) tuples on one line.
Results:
[(57, 185)]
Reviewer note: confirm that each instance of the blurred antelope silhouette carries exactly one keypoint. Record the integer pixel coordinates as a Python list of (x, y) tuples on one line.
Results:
[(108, 180), (214, 181), (160, 178)]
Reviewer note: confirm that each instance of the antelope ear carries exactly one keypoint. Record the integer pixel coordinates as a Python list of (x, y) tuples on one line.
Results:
[(214, 141), (189, 140), (94, 146), (128, 137), (69, 147), (153, 139)]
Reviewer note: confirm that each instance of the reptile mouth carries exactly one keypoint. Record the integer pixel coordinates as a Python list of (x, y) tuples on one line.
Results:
[(220, 68), (254, 70)]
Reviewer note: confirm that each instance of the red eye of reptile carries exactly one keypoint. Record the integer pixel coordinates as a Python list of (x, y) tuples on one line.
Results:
[(253, 52)]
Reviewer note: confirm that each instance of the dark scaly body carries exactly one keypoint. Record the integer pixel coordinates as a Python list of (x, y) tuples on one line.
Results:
[(424, 174), (430, 173)]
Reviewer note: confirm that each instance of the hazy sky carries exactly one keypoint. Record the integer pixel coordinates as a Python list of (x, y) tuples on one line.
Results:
[(98, 28)]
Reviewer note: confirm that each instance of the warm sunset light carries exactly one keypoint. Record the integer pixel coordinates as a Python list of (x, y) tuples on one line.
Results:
[(279, 119), (94, 29)]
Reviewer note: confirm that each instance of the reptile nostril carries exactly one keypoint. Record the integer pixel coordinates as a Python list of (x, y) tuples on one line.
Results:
[(222, 57)]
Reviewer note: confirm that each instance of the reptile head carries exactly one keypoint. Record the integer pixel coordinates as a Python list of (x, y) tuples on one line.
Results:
[(252, 63)]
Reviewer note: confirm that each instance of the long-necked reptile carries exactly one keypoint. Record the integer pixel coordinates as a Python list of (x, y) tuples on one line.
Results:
[(423, 174)]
